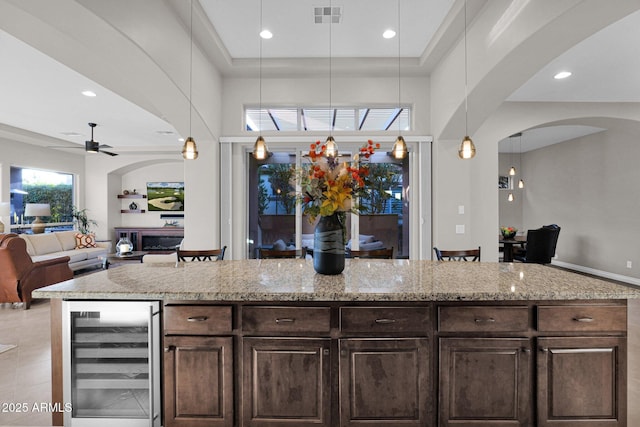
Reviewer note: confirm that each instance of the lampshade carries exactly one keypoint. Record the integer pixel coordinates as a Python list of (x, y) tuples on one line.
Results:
[(189, 149), (260, 150), (332, 147), (5, 209), (467, 149), (37, 209), (399, 149)]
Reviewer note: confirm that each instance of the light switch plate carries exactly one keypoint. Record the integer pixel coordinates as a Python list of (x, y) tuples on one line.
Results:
[(460, 209)]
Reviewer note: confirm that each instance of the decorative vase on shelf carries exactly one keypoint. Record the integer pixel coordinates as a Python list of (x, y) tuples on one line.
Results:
[(124, 246), (133, 206), (328, 246)]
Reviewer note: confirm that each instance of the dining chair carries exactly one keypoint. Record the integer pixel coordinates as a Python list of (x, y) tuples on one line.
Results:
[(458, 255), (201, 255), (373, 253), (540, 246), (287, 253)]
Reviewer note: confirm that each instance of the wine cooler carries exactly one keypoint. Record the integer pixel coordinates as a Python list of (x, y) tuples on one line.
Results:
[(111, 359)]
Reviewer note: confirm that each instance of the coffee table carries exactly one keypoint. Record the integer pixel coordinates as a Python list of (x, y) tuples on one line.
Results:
[(130, 256)]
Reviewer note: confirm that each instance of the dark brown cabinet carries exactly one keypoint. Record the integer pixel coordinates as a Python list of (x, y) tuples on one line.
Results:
[(286, 382), (485, 381), (581, 381), (385, 382), (198, 381)]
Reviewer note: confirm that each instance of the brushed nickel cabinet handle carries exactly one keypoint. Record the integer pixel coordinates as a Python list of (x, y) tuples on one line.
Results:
[(583, 319), (526, 350), (385, 321), (197, 319), (488, 320), (285, 320), (169, 348), (544, 350)]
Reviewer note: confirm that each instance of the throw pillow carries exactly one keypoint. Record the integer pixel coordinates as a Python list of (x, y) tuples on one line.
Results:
[(85, 240)]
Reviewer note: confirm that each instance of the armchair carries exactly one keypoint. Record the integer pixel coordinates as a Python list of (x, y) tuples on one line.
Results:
[(540, 246), (19, 276)]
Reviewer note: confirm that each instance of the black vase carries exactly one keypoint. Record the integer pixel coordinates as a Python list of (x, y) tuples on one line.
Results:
[(328, 245)]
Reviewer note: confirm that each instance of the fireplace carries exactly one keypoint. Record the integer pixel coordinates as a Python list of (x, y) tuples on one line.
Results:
[(152, 239), (160, 243)]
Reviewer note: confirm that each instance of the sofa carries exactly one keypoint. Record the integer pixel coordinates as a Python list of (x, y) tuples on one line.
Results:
[(81, 249), (20, 275)]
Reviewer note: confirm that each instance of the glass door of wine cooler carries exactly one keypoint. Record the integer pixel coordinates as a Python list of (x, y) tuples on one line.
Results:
[(112, 363)]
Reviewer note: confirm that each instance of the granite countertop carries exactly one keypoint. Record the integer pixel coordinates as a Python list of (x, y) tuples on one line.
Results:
[(362, 280)]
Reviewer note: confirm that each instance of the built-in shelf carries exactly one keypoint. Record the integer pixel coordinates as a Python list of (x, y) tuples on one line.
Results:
[(132, 196), (132, 211)]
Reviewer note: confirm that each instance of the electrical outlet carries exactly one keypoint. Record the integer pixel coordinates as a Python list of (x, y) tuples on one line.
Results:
[(460, 209), (460, 229), (629, 264)]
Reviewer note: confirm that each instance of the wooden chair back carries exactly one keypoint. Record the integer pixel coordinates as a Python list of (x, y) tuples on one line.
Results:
[(458, 255), (287, 253), (201, 255), (373, 253)]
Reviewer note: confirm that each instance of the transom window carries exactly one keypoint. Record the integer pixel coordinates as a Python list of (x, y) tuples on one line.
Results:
[(325, 119)]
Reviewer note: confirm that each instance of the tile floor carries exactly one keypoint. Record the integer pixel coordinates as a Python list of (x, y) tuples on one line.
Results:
[(25, 371)]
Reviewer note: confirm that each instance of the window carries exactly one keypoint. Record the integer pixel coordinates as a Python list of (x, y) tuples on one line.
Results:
[(324, 119), (39, 186)]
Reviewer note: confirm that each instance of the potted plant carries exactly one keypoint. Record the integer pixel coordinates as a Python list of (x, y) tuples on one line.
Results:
[(82, 220)]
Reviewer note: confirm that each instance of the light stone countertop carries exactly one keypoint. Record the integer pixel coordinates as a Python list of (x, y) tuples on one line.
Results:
[(362, 280)]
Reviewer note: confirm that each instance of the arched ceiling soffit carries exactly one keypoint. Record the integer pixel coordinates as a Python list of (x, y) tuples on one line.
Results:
[(502, 61)]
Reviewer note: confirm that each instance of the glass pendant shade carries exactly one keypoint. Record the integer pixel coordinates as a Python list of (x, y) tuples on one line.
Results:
[(260, 150), (331, 147), (189, 149), (512, 171), (399, 149), (510, 197), (467, 149), (521, 184)]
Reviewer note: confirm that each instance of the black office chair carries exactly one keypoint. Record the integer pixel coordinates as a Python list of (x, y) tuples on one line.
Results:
[(458, 255), (540, 246)]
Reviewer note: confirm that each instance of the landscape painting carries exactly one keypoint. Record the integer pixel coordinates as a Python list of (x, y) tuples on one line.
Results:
[(165, 196)]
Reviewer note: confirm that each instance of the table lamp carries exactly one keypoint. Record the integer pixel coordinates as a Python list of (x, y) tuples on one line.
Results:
[(37, 210), (5, 211)]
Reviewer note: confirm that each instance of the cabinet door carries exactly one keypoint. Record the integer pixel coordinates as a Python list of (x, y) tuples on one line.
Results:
[(582, 381), (198, 381), (485, 382), (286, 382), (385, 382)]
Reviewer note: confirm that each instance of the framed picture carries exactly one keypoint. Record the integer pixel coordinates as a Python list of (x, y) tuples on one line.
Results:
[(504, 182), (165, 196)]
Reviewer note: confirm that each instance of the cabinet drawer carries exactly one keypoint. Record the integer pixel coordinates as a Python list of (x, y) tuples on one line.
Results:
[(275, 320), (582, 318), (389, 320), (197, 319), (483, 319)]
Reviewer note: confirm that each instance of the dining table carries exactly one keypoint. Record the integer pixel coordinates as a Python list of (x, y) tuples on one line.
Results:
[(508, 244)]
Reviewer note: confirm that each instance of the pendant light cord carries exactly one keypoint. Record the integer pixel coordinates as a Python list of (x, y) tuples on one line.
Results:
[(260, 74), (466, 90), (331, 119), (399, 78), (190, 63)]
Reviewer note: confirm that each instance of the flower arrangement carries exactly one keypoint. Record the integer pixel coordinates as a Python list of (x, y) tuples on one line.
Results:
[(508, 232), (329, 186)]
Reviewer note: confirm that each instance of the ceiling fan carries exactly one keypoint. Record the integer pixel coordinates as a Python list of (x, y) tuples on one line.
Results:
[(94, 146)]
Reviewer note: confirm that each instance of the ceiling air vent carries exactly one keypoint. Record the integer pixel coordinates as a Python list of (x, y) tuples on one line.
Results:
[(327, 15)]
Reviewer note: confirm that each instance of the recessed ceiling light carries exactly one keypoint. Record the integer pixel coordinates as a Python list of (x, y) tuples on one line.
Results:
[(71, 133), (266, 34), (389, 34), (180, 139), (165, 132), (562, 75), (88, 93)]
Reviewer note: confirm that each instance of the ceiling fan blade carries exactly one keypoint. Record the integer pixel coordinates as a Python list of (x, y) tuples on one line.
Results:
[(109, 153), (61, 146), (101, 146)]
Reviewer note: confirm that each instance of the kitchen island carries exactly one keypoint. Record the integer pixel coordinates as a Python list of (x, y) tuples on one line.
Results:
[(388, 342)]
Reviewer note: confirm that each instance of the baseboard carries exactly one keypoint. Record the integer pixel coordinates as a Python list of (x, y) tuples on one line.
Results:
[(600, 273)]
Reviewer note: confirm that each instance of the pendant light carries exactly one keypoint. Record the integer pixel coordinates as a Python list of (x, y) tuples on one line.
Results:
[(330, 143), (510, 197), (260, 149), (521, 181), (189, 149), (399, 150), (512, 169), (467, 149)]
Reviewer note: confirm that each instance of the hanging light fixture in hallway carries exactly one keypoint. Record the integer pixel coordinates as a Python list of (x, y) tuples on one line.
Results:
[(190, 149), (399, 150), (512, 169), (467, 148), (260, 149), (521, 181)]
